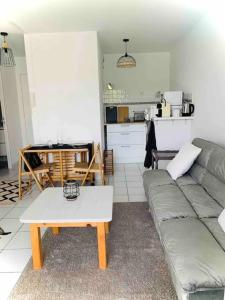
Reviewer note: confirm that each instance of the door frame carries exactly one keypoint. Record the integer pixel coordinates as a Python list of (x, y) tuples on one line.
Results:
[(2, 102)]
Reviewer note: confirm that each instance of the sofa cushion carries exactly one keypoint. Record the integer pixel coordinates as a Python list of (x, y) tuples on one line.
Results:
[(215, 229), (169, 202), (214, 187), (185, 180), (197, 172), (203, 204), (153, 178), (216, 163), (196, 258), (207, 150), (157, 177)]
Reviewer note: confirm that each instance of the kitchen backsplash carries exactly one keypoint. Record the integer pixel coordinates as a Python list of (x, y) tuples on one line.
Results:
[(121, 96), (114, 96)]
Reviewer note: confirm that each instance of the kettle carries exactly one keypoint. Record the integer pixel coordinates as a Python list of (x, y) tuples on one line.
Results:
[(187, 109)]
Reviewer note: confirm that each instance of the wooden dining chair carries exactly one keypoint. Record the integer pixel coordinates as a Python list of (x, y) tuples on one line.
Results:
[(38, 173), (92, 167)]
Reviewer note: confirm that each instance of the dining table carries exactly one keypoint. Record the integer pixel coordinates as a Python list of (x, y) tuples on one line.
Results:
[(62, 157)]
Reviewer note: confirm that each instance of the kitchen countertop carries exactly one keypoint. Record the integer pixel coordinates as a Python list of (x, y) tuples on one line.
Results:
[(155, 119), (173, 118), (125, 123)]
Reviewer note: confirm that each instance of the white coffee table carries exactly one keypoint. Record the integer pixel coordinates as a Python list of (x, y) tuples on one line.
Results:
[(92, 208)]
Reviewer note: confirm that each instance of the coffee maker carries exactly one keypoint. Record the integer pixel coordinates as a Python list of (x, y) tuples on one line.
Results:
[(187, 109)]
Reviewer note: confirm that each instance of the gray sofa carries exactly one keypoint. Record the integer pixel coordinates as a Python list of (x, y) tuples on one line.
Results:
[(186, 213)]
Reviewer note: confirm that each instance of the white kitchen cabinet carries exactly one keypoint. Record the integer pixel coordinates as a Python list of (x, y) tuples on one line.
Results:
[(172, 133), (129, 137), (127, 142)]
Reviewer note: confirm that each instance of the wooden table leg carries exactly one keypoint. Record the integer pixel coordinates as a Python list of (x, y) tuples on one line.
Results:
[(36, 247), (101, 246), (55, 230), (107, 227)]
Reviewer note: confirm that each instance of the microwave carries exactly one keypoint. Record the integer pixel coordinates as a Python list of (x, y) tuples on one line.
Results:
[(139, 116)]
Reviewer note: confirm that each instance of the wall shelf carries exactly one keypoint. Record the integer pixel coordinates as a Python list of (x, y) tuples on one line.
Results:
[(130, 103)]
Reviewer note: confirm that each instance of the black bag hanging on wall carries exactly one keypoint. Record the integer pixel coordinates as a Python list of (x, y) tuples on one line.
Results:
[(150, 144)]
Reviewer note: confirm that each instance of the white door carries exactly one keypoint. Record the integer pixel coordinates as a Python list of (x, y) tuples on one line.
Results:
[(10, 111)]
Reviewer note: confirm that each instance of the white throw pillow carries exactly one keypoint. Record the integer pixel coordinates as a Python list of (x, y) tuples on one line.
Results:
[(183, 160), (221, 220)]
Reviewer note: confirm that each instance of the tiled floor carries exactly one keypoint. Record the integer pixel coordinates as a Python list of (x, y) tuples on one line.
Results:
[(15, 249), (127, 182)]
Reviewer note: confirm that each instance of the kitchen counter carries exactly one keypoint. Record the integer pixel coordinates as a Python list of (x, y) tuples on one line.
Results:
[(173, 118), (125, 123), (155, 119)]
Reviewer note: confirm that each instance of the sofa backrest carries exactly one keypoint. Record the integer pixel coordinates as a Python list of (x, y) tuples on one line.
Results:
[(209, 169)]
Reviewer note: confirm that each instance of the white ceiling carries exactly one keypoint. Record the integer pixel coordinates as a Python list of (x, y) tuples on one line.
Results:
[(152, 25)]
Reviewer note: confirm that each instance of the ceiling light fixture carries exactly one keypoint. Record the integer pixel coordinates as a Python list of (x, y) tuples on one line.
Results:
[(6, 54), (109, 86), (126, 61)]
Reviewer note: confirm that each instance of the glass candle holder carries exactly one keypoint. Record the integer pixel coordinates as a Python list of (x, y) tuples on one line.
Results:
[(71, 190)]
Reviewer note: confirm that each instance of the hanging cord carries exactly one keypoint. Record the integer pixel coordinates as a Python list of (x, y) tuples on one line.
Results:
[(126, 49)]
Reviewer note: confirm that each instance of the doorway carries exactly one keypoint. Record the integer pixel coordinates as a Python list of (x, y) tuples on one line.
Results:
[(3, 151)]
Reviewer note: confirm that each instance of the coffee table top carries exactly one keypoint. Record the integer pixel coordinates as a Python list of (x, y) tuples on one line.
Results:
[(93, 205)]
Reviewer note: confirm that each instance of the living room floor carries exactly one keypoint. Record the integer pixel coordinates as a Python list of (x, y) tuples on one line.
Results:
[(15, 248)]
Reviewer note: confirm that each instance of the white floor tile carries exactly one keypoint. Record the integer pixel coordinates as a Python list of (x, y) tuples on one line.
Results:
[(15, 213), (4, 240), (137, 198), (136, 191), (119, 179), (134, 184), (10, 224), (131, 165), (120, 198), (120, 190), (133, 178), (20, 241), (14, 260), (26, 228), (119, 184), (7, 282), (132, 171), (4, 210), (25, 202), (119, 174), (119, 167)]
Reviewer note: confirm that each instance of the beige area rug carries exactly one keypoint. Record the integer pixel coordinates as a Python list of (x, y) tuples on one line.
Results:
[(9, 191), (136, 264)]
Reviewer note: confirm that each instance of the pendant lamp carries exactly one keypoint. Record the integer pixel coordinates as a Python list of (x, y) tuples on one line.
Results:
[(6, 54), (126, 61)]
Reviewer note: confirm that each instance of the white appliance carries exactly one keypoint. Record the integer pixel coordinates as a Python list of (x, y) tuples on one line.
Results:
[(173, 97)]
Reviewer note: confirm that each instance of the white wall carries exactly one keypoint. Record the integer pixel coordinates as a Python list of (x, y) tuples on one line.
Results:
[(100, 72), (142, 82), (64, 86), (24, 100), (198, 67)]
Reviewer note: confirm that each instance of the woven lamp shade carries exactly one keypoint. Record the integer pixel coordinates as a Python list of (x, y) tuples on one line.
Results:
[(126, 61), (6, 58), (6, 54)]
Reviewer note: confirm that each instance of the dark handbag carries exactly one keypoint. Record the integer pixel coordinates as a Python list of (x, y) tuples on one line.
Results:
[(33, 159)]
